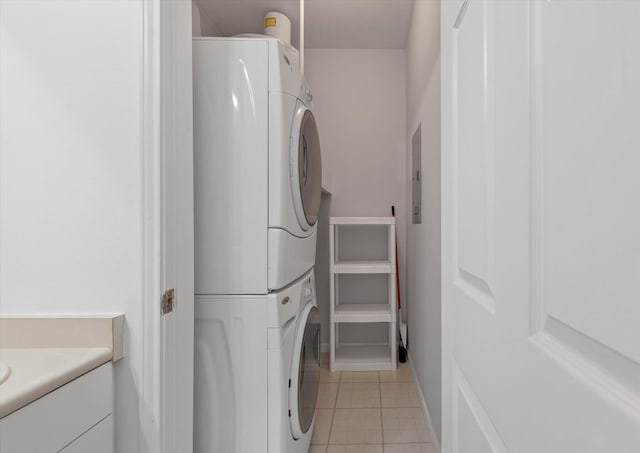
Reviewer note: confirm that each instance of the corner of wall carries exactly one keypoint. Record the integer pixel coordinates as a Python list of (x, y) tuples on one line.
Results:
[(424, 240), (434, 434), (196, 21), (203, 23)]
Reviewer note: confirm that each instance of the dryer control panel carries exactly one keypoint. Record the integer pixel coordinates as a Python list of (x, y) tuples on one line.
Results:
[(287, 303)]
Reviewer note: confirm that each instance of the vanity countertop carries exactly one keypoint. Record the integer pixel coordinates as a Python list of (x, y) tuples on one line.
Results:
[(46, 352), (38, 371)]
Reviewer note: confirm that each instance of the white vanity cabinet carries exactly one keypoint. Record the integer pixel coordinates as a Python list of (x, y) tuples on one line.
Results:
[(76, 417)]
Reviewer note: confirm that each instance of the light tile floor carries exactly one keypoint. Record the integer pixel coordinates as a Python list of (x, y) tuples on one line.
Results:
[(369, 412)]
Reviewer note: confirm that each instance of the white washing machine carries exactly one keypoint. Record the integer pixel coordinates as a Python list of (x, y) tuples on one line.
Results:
[(257, 175), (257, 167), (257, 369)]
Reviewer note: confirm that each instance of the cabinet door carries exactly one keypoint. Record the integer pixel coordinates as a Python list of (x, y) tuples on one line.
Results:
[(53, 421), (98, 439)]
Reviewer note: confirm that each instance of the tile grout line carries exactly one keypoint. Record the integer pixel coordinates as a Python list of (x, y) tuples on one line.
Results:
[(381, 422), (333, 413), (341, 380)]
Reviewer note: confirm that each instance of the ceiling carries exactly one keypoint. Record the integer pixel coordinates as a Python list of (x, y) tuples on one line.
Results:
[(329, 24)]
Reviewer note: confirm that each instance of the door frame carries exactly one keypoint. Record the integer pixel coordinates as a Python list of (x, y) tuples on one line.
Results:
[(166, 396)]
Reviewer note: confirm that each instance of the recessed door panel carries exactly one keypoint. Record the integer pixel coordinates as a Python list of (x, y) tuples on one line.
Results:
[(472, 148), (588, 154)]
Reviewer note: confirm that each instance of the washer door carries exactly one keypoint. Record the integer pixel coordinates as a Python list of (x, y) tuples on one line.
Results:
[(305, 167), (305, 372)]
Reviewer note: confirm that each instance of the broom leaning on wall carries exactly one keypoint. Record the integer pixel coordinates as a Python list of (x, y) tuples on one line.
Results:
[(402, 327)]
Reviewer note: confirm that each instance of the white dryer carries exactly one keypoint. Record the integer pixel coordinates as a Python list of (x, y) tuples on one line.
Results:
[(257, 166), (257, 370)]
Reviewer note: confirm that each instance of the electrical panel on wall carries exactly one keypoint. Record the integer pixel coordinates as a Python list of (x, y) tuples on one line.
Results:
[(416, 175)]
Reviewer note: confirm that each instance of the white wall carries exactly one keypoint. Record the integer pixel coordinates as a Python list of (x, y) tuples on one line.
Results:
[(196, 20), (70, 171), (423, 49), (202, 24), (423, 241), (322, 269), (359, 99)]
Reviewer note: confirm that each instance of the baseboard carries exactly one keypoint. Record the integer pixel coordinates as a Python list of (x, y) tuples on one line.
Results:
[(425, 409)]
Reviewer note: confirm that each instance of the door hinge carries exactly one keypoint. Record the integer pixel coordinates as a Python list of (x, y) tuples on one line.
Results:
[(168, 301)]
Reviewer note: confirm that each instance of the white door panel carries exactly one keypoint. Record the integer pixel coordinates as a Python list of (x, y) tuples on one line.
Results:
[(541, 250), (473, 430), (473, 214), (587, 170)]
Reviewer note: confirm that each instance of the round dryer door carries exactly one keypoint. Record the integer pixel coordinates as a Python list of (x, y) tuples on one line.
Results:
[(306, 167), (305, 372)]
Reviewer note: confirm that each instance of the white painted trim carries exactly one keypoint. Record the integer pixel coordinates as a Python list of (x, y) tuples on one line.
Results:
[(150, 439), (449, 11), (432, 432), (167, 341), (167, 323)]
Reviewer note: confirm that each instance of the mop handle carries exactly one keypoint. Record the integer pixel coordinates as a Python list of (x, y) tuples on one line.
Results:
[(393, 213)]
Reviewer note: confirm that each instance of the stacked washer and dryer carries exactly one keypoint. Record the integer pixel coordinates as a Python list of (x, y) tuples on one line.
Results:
[(257, 197)]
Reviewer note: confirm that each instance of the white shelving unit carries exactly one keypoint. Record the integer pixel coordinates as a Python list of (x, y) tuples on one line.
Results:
[(362, 357)]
